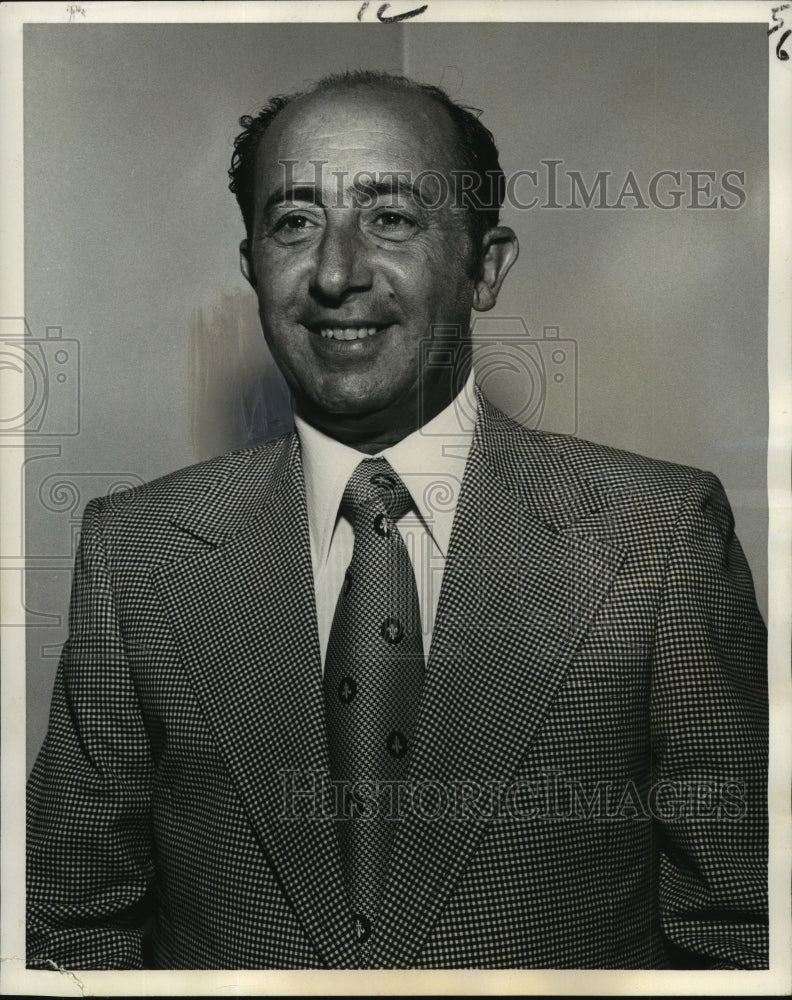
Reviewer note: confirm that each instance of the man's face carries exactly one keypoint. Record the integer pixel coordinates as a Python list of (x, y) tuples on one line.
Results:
[(351, 266)]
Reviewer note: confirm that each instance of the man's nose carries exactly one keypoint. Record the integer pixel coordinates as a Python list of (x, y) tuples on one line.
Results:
[(342, 264)]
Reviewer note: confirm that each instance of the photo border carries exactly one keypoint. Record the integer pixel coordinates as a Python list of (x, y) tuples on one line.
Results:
[(14, 978)]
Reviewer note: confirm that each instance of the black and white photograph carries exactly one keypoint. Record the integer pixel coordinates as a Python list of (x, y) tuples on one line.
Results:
[(396, 497)]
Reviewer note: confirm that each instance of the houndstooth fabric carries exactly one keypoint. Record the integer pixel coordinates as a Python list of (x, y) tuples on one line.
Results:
[(373, 677), (593, 722)]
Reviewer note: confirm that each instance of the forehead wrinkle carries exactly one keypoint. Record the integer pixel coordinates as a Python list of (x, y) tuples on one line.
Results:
[(390, 131), (347, 135), (315, 149)]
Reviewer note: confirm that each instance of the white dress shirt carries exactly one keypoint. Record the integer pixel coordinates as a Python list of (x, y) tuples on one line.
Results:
[(430, 462)]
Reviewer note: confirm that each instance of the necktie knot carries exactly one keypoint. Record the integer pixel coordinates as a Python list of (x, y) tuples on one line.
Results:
[(374, 481)]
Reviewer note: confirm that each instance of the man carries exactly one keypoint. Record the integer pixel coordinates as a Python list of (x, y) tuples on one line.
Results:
[(275, 742)]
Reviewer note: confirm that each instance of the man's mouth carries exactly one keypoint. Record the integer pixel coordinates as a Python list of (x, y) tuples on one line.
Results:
[(348, 332), (354, 330)]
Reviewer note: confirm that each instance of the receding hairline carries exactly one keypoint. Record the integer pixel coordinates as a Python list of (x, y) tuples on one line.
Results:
[(389, 87)]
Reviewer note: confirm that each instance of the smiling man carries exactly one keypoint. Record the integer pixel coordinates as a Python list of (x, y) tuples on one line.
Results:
[(411, 686), (354, 265)]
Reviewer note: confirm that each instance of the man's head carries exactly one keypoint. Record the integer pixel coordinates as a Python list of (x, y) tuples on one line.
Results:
[(367, 229)]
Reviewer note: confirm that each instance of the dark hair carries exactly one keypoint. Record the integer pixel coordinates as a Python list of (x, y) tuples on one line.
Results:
[(482, 194)]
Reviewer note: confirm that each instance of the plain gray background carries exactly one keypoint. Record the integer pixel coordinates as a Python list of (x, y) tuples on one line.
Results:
[(131, 250)]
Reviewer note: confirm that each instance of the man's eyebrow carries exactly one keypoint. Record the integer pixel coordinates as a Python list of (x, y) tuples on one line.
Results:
[(295, 192), (387, 184)]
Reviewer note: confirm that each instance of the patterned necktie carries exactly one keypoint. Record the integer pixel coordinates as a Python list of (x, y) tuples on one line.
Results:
[(373, 677)]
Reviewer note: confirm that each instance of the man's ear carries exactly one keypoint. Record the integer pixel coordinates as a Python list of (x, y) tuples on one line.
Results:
[(500, 251), (245, 263)]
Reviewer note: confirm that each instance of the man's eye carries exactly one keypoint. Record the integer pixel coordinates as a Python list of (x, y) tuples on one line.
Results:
[(393, 225), (294, 227)]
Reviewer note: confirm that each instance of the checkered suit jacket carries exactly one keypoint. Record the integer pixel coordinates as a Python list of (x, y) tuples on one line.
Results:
[(594, 713)]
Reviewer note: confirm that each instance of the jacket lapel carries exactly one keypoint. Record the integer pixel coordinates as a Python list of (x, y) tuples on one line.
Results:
[(519, 589), (243, 613)]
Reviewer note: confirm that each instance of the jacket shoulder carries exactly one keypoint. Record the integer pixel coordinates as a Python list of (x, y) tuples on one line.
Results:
[(240, 477), (604, 463), (565, 471)]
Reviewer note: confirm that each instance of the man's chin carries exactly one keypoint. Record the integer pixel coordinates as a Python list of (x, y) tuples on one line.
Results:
[(352, 398), (341, 408), (358, 416)]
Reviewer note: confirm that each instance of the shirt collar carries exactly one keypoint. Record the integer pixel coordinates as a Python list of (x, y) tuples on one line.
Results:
[(430, 462)]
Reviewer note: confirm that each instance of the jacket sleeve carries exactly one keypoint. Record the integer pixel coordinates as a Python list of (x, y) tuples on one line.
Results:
[(90, 871), (709, 739)]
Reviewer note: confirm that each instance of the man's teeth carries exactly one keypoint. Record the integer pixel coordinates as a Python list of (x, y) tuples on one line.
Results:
[(347, 332)]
